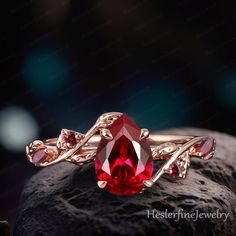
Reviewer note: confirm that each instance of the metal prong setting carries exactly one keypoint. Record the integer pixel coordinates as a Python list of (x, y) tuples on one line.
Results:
[(144, 133), (106, 133), (148, 183), (102, 184), (107, 119), (32, 147)]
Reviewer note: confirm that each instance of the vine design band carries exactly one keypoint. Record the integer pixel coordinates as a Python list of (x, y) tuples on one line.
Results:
[(123, 153)]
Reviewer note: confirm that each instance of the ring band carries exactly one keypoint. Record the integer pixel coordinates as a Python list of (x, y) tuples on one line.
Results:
[(124, 154)]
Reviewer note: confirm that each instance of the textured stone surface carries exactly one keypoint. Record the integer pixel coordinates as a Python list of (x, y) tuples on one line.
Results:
[(65, 200)]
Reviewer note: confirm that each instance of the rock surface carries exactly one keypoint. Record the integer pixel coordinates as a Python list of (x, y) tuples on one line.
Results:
[(65, 200)]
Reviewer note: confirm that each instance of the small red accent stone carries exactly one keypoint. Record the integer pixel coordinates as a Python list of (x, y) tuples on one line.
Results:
[(174, 171), (71, 139), (125, 161), (205, 147), (39, 156)]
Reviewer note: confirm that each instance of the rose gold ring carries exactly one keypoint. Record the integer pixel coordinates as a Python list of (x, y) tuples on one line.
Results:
[(124, 154)]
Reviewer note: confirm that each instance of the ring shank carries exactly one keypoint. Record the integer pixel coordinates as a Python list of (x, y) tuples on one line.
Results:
[(154, 139)]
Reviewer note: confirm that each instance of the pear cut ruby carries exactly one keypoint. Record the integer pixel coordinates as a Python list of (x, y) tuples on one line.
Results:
[(39, 156), (44, 154), (205, 147), (125, 161)]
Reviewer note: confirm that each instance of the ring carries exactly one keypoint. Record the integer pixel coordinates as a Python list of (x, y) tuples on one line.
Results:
[(123, 153)]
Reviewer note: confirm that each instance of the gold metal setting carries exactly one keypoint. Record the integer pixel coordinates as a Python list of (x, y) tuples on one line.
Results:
[(172, 149)]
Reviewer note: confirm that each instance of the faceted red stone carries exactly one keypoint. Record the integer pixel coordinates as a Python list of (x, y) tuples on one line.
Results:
[(125, 161), (205, 147), (174, 171), (39, 156), (71, 139), (45, 154)]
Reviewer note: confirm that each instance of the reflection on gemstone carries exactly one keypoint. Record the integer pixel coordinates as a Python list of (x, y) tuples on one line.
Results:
[(125, 161)]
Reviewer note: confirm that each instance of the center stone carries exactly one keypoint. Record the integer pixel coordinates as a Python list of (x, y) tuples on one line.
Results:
[(126, 160)]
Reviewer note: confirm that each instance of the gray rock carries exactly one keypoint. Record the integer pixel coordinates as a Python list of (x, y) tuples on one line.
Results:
[(64, 200)]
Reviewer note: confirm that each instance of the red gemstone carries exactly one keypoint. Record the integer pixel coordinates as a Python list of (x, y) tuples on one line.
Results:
[(71, 139), (125, 161), (174, 171), (39, 156), (205, 147)]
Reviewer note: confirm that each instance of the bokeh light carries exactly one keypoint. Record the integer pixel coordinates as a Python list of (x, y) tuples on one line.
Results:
[(225, 90), (45, 71), (17, 128), (160, 104)]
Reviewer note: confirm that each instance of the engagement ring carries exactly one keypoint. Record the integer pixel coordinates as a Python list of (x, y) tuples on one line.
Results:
[(123, 153)]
